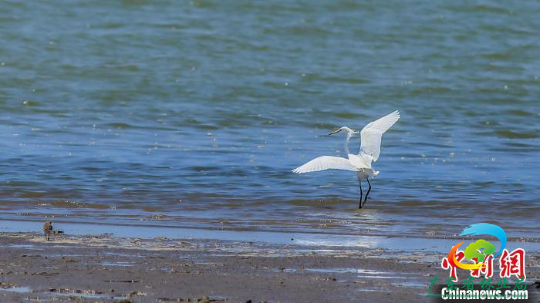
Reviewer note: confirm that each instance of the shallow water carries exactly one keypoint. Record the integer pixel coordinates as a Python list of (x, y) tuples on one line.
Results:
[(193, 114), (312, 241)]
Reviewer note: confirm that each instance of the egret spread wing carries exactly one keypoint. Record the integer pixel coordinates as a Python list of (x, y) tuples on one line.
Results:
[(324, 163), (372, 134)]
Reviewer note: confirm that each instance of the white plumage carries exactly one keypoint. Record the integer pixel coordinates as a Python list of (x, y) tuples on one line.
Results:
[(370, 150), (324, 163), (371, 134)]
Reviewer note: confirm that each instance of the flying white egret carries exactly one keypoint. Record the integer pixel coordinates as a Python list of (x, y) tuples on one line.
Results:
[(370, 149)]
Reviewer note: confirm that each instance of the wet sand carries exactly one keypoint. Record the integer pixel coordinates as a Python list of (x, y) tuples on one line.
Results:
[(111, 269)]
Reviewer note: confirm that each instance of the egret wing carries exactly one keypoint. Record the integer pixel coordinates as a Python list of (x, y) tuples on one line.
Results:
[(324, 163), (372, 134)]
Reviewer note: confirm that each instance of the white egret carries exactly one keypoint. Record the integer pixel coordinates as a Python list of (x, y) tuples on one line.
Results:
[(370, 149)]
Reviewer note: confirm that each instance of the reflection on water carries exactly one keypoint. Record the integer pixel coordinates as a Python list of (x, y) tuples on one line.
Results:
[(307, 239), (17, 289)]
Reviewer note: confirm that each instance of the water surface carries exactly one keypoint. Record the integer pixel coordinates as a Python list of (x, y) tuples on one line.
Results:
[(193, 114)]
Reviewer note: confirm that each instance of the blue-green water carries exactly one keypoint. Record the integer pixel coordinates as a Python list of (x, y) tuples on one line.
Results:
[(193, 113)]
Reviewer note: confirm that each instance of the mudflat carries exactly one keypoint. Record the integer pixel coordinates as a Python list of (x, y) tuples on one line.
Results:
[(112, 269)]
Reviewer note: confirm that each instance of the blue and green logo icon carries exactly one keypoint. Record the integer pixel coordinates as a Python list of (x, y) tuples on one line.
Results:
[(479, 249)]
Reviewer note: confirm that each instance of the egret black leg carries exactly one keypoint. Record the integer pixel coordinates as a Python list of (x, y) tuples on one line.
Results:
[(361, 194), (367, 194)]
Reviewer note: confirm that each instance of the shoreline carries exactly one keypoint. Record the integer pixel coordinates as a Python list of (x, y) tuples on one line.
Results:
[(434, 242), (105, 268)]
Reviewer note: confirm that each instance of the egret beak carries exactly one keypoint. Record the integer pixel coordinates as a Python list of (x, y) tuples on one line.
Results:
[(334, 132)]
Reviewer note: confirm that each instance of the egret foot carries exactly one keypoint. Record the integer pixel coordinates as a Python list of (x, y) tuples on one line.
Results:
[(361, 195), (367, 194)]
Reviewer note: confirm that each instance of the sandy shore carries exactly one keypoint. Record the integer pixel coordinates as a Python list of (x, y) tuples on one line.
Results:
[(110, 269)]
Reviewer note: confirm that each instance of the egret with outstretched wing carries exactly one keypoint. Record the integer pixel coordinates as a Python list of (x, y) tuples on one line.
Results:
[(370, 150)]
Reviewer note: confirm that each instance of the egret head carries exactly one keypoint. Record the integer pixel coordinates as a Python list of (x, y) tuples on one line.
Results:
[(349, 131)]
